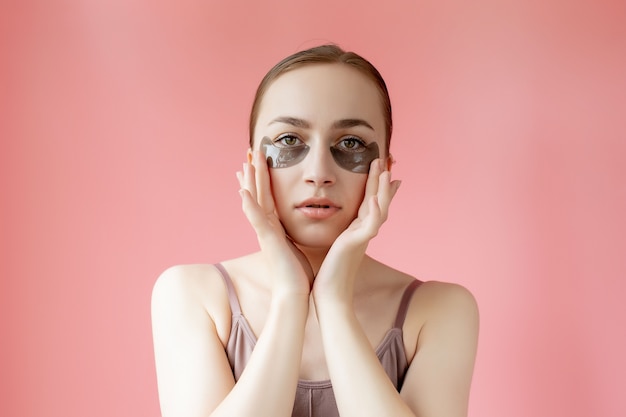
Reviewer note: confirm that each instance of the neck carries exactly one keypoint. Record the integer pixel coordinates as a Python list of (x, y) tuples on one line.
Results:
[(314, 256)]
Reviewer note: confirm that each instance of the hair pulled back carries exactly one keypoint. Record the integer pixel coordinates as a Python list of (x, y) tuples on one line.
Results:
[(324, 54)]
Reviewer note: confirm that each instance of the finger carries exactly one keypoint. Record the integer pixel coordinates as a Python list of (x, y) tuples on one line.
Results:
[(239, 175), (375, 211), (371, 186), (250, 208), (255, 214), (374, 220), (247, 182), (384, 189), (263, 187), (386, 192)]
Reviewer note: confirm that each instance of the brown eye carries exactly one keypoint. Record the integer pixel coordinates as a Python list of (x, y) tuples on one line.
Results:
[(287, 141), (351, 144)]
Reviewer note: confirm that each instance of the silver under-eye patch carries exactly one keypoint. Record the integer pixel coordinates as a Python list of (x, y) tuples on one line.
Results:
[(354, 161), (282, 157)]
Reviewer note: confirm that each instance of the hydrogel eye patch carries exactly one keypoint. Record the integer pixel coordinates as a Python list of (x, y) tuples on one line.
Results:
[(282, 157), (358, 161)]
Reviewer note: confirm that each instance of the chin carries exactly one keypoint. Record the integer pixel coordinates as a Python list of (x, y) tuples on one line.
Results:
[(315, 239)]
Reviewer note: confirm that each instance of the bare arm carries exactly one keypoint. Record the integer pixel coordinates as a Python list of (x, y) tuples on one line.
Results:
[(438, 380), (192, 373), (361, 386), (194, 376), (354, 368)]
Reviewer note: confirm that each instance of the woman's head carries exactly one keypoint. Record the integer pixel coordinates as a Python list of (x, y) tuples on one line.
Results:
[(325, 54), (320, 126)]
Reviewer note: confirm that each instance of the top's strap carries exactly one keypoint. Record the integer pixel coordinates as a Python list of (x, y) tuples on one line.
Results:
[(235, 308), (404, 303)]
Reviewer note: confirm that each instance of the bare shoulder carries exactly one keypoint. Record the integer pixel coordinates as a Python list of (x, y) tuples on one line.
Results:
[(441, 349), (439, 297), (384, 277), (437, 303), (194, 290), (431, 298), (194, 282), (440, 311)]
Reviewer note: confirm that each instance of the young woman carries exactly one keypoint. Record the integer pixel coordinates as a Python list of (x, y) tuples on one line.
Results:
[(310, 325)]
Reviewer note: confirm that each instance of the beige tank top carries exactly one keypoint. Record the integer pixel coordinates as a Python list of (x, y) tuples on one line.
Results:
[(316, 398)]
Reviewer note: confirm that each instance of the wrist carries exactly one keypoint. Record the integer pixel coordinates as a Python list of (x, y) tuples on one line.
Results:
[(330, 307), (289, 299)]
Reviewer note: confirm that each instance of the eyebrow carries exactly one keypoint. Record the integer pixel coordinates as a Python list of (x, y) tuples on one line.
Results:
[(339, 124), (293, 121), (347, 123)]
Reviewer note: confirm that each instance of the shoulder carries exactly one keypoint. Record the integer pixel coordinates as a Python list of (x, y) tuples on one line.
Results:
[(436, 302), (444, 310), (440, 311), (185, 281), (431, 298), (382, 277), (442, 353), (443, 296), (186, 293)]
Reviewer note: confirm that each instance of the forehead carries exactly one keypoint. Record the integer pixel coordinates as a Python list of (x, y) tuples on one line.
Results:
[(321, 94)]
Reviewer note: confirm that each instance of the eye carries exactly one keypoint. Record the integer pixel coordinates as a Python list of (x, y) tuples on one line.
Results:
[(287, 140), (351, 144)]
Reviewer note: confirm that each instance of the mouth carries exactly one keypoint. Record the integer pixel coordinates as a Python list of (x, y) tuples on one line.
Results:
[(318, 203), (318, 208)]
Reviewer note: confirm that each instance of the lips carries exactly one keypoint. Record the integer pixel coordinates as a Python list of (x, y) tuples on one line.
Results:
[(317, 203), (318, 208)]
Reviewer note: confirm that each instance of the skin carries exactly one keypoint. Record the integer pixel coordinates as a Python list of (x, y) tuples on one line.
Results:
[(312, 296)]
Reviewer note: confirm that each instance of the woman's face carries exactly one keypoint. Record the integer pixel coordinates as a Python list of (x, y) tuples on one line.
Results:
[(324, 117)]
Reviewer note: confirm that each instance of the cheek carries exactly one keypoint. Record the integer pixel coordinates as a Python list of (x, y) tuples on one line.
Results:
[(280, 184), (356, 187)]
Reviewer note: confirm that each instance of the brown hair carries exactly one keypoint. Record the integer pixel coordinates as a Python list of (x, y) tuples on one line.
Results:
[(324, 54)]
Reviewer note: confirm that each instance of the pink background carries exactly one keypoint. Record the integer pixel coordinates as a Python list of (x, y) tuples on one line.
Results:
[(123, 123)]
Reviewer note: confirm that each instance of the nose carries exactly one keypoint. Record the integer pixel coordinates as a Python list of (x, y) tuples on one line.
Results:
[(319, 166)]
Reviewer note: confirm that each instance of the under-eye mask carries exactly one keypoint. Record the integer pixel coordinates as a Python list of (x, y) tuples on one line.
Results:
[(282, 156), (357, 161)]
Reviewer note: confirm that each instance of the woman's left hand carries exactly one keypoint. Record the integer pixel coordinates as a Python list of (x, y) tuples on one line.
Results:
[(345, 255)]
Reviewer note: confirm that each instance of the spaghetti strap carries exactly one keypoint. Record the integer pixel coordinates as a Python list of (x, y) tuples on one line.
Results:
[(235, 308), (404, 303)]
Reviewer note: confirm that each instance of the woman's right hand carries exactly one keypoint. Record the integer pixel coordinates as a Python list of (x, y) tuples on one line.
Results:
[(289, 268)]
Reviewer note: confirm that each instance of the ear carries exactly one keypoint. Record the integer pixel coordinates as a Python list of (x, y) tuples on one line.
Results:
[(249, 155), (389, 161)]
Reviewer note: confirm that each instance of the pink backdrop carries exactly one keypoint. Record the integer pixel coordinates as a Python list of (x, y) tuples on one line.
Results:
[(123, 123)]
